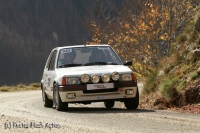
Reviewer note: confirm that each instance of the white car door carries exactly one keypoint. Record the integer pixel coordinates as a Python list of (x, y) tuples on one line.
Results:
[(45, 73), (51, 73)]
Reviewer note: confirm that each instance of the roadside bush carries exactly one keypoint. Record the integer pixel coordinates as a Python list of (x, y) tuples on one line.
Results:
[(35, 85), (194, 75), (4, 88), (170, 62), (180, 86), (167, 88), (151, 84), (21, 85)]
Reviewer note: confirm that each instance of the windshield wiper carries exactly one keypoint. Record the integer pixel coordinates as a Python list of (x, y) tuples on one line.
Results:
[(95, 63), (69, 65)]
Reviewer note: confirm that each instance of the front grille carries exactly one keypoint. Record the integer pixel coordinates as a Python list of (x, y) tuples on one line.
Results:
[(100, 90)]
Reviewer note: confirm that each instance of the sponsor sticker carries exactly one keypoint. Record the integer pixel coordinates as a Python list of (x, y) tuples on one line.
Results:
[(103, 48), (66, 51)]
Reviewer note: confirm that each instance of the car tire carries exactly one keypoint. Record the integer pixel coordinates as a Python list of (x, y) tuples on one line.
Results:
[(59, 105), (132, 103), (109, 104), (47, 103)]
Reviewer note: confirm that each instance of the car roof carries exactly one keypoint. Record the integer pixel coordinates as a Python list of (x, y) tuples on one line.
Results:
[(75, 46)]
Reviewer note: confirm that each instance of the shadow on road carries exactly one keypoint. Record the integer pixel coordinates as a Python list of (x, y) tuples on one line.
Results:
[(104, 110)]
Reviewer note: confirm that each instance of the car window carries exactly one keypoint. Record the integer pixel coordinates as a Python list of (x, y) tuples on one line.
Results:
[(52, 61), (48, 60), (84, 55)]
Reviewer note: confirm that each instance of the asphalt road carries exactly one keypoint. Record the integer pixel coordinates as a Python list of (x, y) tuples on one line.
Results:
[(24, 112)]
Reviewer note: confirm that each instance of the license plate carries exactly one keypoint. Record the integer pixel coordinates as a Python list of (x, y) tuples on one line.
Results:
[(100, 86)]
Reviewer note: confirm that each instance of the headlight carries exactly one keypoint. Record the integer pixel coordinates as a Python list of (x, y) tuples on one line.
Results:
[(95, 79), (115, 76), (85, 78), (126, 77), (72, 81), (105, 78)]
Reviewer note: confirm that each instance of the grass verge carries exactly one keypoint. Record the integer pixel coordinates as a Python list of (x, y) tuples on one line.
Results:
[(20, 87)]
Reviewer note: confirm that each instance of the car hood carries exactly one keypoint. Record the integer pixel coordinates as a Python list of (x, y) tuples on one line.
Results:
[(97, 69)]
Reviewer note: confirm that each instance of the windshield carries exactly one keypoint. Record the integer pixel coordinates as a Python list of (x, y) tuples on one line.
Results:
[(85, 56)]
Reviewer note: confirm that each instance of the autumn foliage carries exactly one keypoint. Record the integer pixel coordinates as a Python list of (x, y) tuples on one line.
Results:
[(142, 31)]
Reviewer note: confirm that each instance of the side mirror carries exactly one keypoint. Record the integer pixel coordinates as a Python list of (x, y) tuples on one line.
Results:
[(128, 63)]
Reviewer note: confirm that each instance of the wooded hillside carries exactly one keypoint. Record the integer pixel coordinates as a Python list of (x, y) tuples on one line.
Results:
[(139, 30), (29, 29)]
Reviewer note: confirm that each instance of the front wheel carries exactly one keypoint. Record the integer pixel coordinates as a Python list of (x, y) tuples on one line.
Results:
[(59, 105), (132, 103), (109, 104)]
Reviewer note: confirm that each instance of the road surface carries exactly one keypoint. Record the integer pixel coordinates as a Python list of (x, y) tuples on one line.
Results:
[(24, 112)]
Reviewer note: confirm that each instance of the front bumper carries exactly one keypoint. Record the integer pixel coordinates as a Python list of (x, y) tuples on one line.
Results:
[(117, 93)]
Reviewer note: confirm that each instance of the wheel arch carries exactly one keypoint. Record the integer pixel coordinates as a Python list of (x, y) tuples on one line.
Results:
[(54, 83)]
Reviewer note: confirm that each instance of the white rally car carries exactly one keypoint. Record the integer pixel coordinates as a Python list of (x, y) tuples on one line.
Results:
[(95, 74)]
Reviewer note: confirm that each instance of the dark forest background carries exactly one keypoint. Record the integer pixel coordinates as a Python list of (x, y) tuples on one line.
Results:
[(30, 29)]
